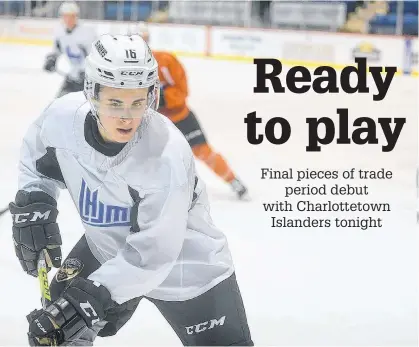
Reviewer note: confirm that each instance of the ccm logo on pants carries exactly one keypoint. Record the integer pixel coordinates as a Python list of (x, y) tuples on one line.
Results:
[(198, 328)]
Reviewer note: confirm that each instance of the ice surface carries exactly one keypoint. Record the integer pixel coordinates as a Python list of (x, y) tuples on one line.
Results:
[(305, 287)]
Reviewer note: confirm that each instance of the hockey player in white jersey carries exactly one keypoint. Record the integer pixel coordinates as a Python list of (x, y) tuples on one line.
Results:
[(148, 231), (72, 40)]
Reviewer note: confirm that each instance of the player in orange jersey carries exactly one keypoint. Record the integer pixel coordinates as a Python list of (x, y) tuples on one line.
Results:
[(173, 95)]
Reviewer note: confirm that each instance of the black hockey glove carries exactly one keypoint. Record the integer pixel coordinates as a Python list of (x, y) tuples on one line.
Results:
[(35, 229), (50, 62), (82, 304)]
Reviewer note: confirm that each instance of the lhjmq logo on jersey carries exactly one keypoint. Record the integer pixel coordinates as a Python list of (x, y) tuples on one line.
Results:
[(96, 213)]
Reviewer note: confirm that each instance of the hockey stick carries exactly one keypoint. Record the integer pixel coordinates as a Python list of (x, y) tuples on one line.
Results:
[(61, 73), (66, 76), (45, 297), (4, 210), (43, 280)]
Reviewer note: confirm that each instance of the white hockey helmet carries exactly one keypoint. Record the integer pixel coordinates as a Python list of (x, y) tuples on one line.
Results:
[(121, 61), (69, 7)]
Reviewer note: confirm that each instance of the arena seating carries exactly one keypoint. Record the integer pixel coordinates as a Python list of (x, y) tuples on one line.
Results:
[(209, 12), (387, 23), (131, 10)]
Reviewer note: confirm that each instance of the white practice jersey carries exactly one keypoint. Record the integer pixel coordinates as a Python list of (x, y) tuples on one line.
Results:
[(75, 45), (145, 210)]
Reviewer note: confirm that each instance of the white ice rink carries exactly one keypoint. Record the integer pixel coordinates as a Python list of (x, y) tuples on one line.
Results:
[(301, 287)]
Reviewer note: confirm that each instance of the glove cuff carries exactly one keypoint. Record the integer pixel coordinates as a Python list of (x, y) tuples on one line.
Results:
[(90, 299)]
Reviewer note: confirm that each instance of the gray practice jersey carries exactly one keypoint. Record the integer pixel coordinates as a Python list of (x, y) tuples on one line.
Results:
[(145, 210), (75, 45)]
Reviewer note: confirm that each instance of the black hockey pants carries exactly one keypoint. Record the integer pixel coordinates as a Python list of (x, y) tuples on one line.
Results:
[(215, 318)]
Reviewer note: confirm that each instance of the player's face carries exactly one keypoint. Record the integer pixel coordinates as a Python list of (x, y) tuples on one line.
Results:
[(121, 112), (70, 20)]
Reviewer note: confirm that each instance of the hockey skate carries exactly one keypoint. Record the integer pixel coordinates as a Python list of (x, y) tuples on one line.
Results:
[(240, 190)]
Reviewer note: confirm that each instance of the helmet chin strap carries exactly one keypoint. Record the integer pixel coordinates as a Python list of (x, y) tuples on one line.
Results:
[(95, 115), (100, 124)]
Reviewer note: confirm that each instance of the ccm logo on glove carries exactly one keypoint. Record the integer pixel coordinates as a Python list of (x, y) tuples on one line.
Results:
[(36, 216), (89, 311)]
